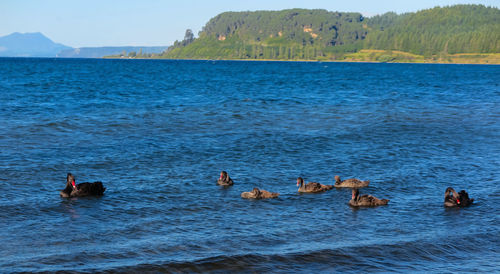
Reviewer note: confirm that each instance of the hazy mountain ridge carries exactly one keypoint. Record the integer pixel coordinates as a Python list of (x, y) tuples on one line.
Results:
[(38, 45), (99, 52)]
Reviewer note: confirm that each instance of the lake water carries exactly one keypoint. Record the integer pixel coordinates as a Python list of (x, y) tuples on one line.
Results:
[(158, 133)]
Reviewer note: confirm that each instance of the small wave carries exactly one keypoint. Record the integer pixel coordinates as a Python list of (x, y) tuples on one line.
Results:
[(401, 256)]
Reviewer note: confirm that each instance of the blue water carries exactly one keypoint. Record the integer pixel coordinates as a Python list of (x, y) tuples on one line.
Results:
[(158, 133)]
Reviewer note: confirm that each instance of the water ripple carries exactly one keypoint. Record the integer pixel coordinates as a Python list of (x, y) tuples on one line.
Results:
[(157, 134)]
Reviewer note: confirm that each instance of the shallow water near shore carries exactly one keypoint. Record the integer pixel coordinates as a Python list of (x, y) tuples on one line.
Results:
[(158, 133)]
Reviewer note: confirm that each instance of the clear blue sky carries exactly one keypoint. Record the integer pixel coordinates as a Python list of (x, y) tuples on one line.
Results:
[(84, 23)]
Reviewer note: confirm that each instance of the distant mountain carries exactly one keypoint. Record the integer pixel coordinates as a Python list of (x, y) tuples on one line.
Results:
[(99, 52), (29, 45), (37, 45)]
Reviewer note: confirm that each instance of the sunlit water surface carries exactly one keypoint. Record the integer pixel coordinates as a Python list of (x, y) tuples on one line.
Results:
[(157, 134)]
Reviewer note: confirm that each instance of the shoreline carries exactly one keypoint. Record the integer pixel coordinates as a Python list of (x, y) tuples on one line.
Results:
[(276, 60), (299, 61), (366, 56)]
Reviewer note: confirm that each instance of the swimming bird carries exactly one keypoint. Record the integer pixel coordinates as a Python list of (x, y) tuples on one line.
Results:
[(311, 187), (259, 194), (81, 190), (454, 199), (354, 183), (365, 200), (224, 179)]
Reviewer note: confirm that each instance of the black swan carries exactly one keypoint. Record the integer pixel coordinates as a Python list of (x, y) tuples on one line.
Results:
[(224, 179), (259, 194), (354, 183), (365, 200), (80, 190), (454, 199), (311, 187)]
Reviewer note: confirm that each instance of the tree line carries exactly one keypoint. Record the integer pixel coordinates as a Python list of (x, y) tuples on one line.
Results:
[(320, 34)]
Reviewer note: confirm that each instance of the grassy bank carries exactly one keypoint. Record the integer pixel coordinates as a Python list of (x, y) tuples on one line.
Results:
[(388, 56), (369, 55)]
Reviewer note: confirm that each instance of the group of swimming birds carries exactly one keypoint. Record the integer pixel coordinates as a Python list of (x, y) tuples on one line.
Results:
[(451, 197)]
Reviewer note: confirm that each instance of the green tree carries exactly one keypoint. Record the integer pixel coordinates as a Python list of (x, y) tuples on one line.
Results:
[(188, 37)]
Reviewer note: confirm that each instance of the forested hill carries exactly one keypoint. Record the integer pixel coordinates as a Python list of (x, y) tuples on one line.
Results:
[(287, 34), (300, 34), (456, 29)]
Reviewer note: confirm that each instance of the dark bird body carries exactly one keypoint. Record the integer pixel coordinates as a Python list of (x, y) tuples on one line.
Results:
[(365, 200), (353, 183), (224, 179), (454, 199), (311, 187), (259, 194), (82, 189)]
